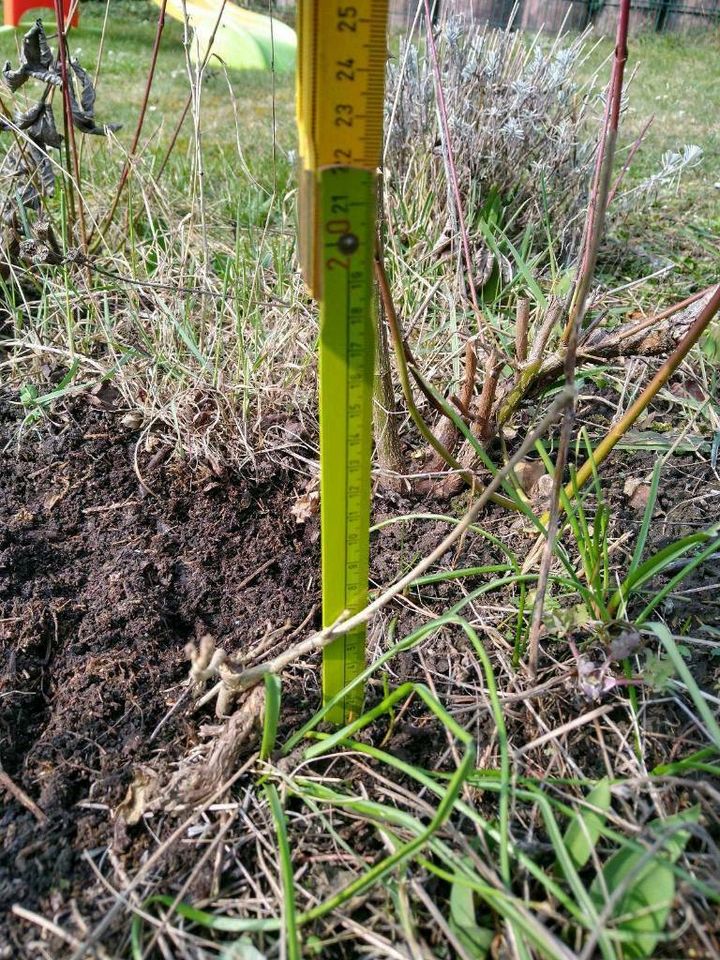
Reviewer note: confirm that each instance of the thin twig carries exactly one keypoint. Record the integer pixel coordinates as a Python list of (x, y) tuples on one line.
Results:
[(628, 331), (323, 638), (7, 784), (542, 336), (141, 118), (629, 159), (176, 134), (565, 728), (255, 573), (624, 340), (597, 206), (70, 143), (46, 925), (452, 172), (658, 381), (188, 102)]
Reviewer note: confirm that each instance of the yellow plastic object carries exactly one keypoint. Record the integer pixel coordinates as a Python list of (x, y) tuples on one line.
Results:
[(244, 40)]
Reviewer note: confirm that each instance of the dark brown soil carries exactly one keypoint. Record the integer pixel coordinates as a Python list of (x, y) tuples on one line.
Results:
[(104, 579), (101, 586)]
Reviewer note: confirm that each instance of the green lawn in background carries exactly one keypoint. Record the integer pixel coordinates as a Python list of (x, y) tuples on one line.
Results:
[(676, 78), (122, 78)]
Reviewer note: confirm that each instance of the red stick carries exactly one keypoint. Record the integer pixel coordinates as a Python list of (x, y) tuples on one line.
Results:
[(141, 118)]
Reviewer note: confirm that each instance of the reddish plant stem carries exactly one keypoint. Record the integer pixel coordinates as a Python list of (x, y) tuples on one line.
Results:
[(447, 433), (621, 55), (522, 320), (599, 192), (483, 419), (452, 172), (173, 139), (141, 118), (70, 144)]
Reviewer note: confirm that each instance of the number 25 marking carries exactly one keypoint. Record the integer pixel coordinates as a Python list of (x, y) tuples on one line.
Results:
[(346, 19)]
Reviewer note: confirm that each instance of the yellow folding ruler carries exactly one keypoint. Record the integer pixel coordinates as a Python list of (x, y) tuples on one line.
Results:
[(340, 95)]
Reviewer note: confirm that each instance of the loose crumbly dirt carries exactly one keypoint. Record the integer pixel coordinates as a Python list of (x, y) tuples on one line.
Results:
[(101, 585), (113, 557)]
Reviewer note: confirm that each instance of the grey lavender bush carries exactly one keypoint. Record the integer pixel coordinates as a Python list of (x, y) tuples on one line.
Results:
[(517, 115)]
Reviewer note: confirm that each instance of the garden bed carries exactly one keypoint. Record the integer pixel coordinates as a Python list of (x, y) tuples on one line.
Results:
[(113, 556)]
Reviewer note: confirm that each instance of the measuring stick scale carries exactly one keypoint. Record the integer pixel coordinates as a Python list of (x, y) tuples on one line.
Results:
[(340, 101), (347, 350)]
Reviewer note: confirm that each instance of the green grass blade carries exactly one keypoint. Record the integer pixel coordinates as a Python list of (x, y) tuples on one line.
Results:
[(691, 764), (647, 517), (273, 687), (442, 812), (666, 639), (652, 567), (292, 940), (678, 578)]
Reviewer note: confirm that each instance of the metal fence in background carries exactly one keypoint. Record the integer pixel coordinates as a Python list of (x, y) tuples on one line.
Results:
[(659, 15)]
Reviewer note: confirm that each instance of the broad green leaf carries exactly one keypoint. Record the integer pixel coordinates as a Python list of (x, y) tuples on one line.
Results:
[(242, 949), (475, 940), (584, 829), (648, 885)]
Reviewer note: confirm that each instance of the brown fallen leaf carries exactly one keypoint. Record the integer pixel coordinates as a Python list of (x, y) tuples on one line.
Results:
[(688, 390), (637, 492), (132, 420), (52, 499), (307, 504), (541, 492), (133, 805), (528, 472)]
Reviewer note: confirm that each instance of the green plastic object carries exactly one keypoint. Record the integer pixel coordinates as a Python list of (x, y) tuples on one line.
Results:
[(244, 40)]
